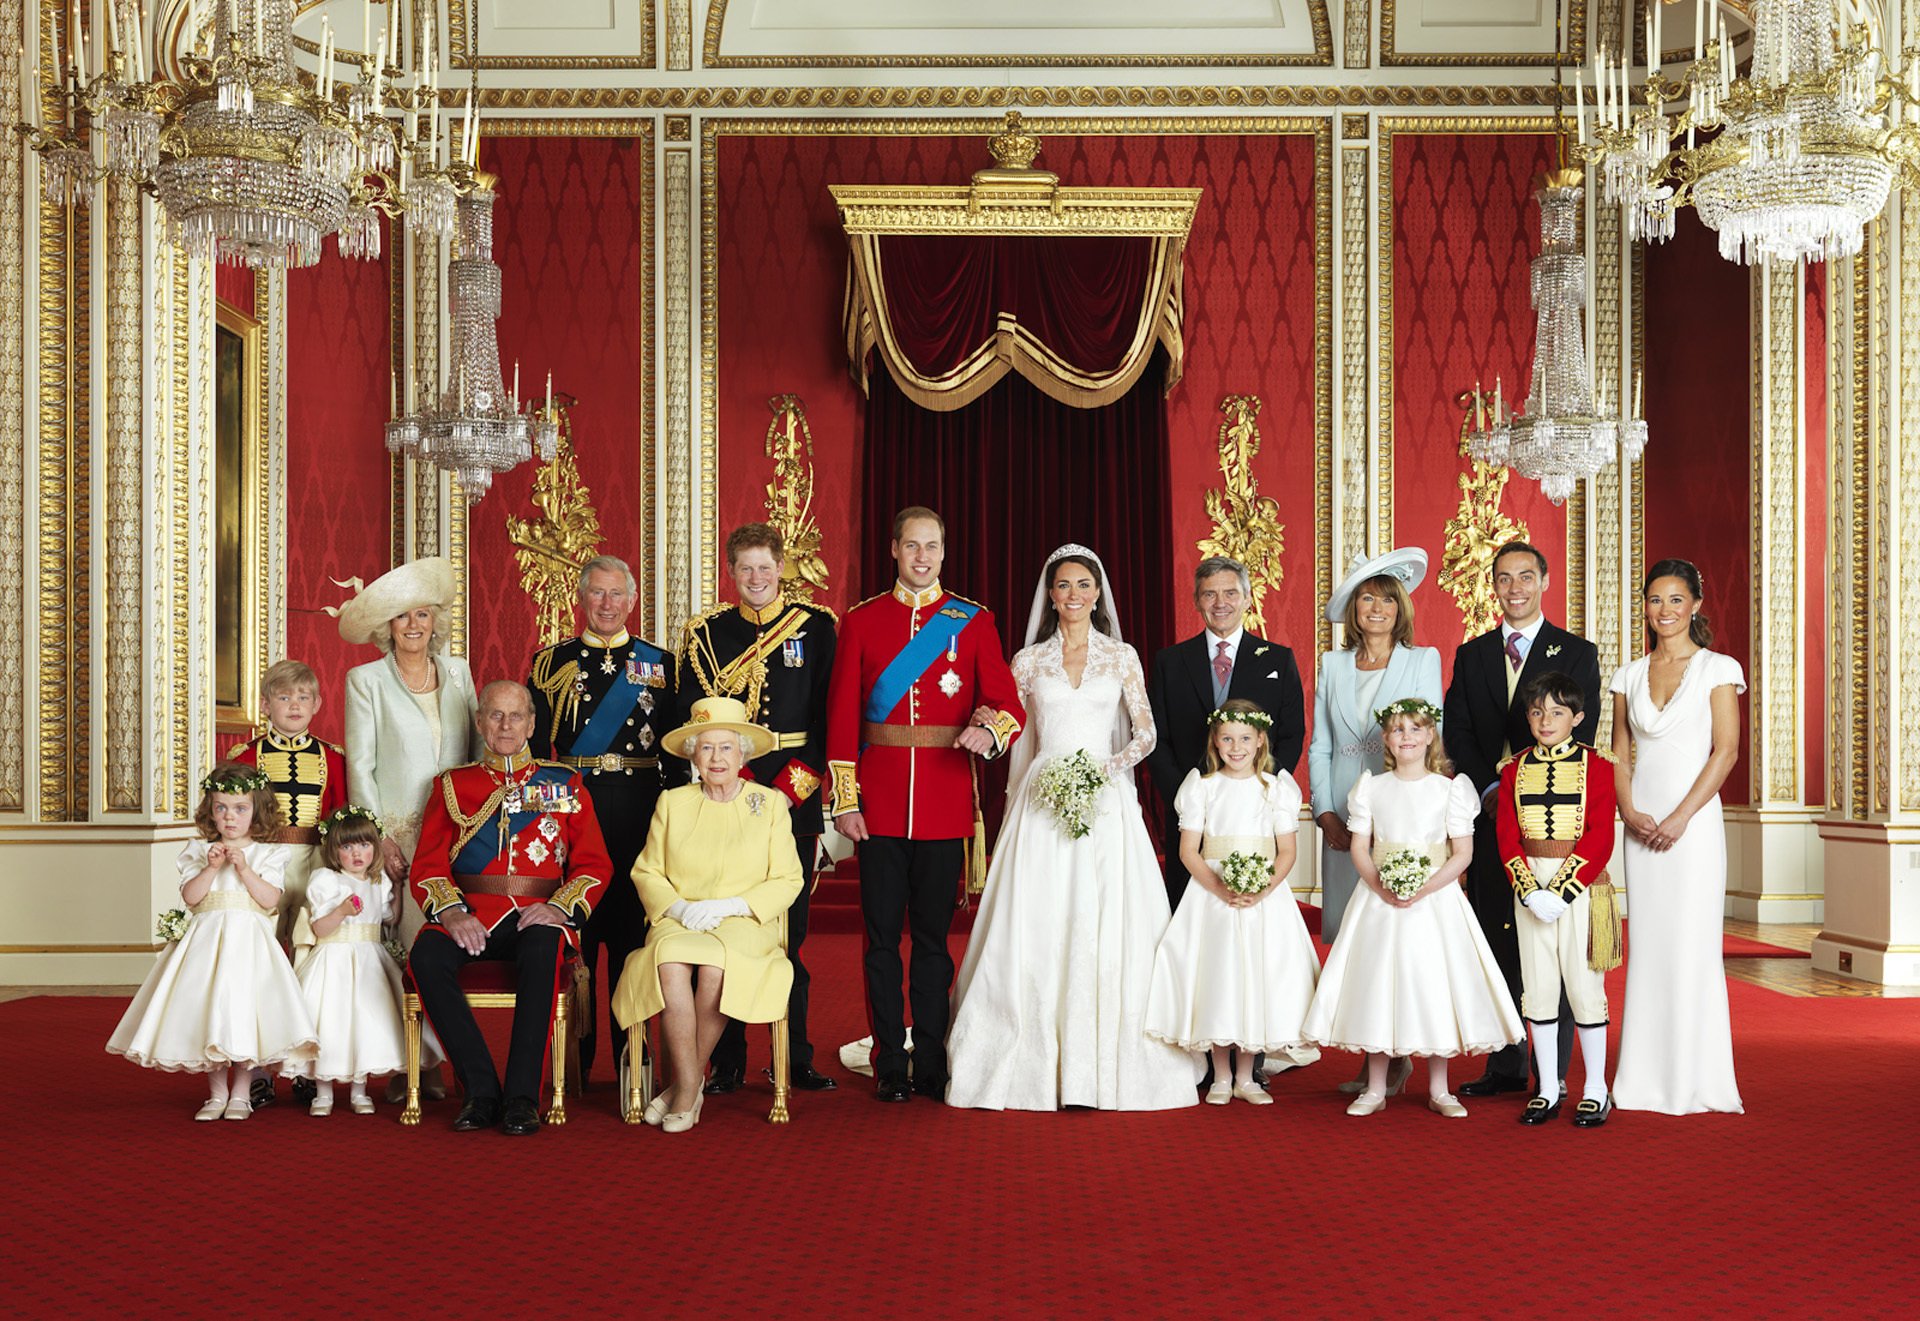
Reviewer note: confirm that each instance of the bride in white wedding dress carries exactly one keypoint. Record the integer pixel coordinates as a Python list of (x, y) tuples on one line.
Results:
[(1049, 1000)]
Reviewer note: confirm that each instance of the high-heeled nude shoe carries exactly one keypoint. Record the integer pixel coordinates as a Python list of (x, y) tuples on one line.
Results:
[(1398, 1071), (681, 1120), (656, 1109)]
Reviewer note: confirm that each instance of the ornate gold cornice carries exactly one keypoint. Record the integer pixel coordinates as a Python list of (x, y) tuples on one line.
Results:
[(1038, 96), (990, 208), (712, 58), (1389, 56)]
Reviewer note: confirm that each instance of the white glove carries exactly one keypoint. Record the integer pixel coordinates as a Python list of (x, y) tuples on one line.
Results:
[(1546, 905), (678, 912), (727, 908)]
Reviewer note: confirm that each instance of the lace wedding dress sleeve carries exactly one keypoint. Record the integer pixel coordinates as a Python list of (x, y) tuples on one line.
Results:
[(1133, 696)]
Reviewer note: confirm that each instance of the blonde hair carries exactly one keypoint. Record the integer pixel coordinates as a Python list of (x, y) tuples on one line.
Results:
[(1263, 750), (290, 676), (442, 630), (1403, 610), (1436, 751)]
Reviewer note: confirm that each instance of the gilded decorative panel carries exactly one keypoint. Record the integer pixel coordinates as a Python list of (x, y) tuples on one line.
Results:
[(677, 351), (1042, 96), (124, 511), (1355, 353), (13, 440)]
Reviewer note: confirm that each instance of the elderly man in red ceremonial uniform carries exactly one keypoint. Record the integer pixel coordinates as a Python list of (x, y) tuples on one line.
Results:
[(509, 863), (920, 687)]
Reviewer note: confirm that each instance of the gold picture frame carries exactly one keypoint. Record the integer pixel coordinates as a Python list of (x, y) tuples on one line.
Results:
[(238, 466)]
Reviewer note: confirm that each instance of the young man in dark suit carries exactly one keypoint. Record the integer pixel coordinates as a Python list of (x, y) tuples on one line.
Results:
[(1485, 723), (1191, 679)]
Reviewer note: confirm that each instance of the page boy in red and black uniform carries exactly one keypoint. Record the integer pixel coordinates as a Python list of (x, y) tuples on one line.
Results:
[(1555, 828)]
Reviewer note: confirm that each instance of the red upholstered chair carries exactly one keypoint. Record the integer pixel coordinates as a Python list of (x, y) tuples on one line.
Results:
[(488, 984)]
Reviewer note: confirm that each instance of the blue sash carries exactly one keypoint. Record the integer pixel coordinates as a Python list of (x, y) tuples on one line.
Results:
[(608, 719), (905, 669)]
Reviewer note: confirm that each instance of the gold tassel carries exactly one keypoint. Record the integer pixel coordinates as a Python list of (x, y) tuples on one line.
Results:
[(580, 1008), (976, 850), (1605, 950)]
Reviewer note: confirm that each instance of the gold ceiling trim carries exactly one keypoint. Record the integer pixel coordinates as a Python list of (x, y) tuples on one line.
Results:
[(1249, 96), (1390, 55), (1010, 208), (460, 31), (712, 58)]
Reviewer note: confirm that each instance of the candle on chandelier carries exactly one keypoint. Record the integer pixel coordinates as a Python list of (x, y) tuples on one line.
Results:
[(473, 157), (379, 72), (1579, 108), (1479, 407), (78, 40), (59, 79), (516, 385), (26, 86), (549, 394), (1638, 374), (1498, 405), (140, 39), (393, 393), (113, 30), (366, 26), (1659, 36), (412, 397)]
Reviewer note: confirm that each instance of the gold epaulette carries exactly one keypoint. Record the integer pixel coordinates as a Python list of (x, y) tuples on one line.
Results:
[(1604, 755), (701, 618), (1501, 765), (826, 610), (969, 600), (238, 748), (877, 596), (336, 747)]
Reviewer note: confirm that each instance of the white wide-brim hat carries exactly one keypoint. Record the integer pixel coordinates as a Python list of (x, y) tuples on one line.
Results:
[(420, 582), (710, 713), (1407, 563)]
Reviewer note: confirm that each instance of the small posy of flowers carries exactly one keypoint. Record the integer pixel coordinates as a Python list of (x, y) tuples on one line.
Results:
[(1404, 872), (1245, 873), (395, 950), (171, 925), (1069, 787)]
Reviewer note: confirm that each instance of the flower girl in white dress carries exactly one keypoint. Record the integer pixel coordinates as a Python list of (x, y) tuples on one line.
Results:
[(1413, 975), (350, 981), (223, 997), (1235, 970)]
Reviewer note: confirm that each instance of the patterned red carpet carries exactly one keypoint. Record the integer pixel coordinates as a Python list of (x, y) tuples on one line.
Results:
[(1800, 1208)]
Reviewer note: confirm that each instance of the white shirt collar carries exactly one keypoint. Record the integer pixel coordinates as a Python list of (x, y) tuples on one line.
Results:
[(1530, 632), (1232, 640)]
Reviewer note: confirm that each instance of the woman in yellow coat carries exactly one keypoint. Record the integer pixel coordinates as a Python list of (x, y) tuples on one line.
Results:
[(718, 871)]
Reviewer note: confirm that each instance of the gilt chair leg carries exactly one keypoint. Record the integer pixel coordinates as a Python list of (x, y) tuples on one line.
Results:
[(557, 1112), (411, 1113), (782, 1073), (633, 1100)]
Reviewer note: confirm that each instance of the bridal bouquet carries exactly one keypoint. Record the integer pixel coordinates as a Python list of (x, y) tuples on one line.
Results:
[(1404, 872), (1245, 873), (171, 925), (1069, 787)]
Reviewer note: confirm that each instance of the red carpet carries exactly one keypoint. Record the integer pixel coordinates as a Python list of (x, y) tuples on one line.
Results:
[(126, 1207), (1739, 947)]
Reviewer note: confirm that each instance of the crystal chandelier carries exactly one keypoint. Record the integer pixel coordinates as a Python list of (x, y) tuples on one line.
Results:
[(1808, 146), (254, 163), (1564, 435), (475, 428)]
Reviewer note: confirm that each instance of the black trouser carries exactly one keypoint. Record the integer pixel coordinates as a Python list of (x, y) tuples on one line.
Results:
[(731, 1052), (1492, 894), (436, 961), (910, 882), (618, 925)]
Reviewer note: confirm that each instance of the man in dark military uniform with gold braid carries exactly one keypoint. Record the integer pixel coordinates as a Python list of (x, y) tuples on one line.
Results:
[(600, 703), (774, 655)]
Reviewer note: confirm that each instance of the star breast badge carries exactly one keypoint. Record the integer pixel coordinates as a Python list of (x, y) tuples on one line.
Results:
[(950, 684)]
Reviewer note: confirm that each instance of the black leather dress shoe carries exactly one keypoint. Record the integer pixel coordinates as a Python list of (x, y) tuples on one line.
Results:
[(933, 1088), (1592, 1114), (1489, 1085), (522, 1117), (1539, 1110), (806, 1078), (260, 1094), (476, 1115), (724, 1081), (893, 1087), (304, 1090)]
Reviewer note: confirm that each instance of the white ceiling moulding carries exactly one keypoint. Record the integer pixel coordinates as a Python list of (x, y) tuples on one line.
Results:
[(1467, 32)]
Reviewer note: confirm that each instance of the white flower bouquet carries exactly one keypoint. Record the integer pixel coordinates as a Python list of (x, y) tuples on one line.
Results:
[(1245, 873), (171, 925), (395, 950), (1069, 787), (1403, 872)]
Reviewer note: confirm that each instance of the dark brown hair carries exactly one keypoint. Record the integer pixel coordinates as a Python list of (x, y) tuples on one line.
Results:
[(755, 536), (911, 512), (1050, 619), (348, 830), (1699, 630), (1517, 548), (267, 817), (1402, 620), (1554, 687)]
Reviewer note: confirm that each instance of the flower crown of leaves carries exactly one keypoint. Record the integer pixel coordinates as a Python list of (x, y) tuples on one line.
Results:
[(1407, 706), (351, 812), (1258, 719), (234, 782)]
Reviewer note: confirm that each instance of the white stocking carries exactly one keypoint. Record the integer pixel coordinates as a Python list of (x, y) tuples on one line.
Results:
[(1546, 1057), (1593, 1054)]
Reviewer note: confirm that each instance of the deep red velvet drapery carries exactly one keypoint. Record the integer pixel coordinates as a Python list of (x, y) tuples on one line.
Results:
[(949, 315)]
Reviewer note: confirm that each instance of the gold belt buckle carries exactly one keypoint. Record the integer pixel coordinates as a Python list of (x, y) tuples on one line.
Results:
[(609, 761)]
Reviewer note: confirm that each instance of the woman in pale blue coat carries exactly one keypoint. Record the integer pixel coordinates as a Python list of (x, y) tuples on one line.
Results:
[(1378, 665)]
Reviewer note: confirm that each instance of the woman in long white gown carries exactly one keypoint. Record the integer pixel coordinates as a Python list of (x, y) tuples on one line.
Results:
[(1049, 1003), (1676, 722)]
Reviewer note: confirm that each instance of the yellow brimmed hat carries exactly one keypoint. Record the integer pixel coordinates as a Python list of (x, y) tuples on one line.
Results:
[(420, 582), (711, 713)]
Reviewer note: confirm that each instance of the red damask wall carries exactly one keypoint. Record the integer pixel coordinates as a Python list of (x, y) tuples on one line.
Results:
[(1698, 488), (1464, 228), (337, 467), (568, 233), (781, 273)]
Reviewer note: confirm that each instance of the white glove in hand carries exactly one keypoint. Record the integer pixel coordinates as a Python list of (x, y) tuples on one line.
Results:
[(727, 908), (678, 912), (1546, 905)]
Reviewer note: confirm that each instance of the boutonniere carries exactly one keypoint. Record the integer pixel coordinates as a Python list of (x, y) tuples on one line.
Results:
[(1553, 651), (1260, 651)]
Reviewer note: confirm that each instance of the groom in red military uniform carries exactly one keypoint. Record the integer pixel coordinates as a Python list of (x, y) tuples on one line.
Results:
[(920, 686)]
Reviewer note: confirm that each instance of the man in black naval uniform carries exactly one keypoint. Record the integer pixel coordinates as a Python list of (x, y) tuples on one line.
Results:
[(600, 703), (774, 655)]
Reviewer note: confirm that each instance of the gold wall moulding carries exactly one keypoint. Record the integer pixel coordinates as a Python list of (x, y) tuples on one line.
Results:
[(991, 207), (1235, 96), (1477, 529), (461, 31), (1246, 524), (711, 56), (1391, 56), (551, 548), (790, 497)]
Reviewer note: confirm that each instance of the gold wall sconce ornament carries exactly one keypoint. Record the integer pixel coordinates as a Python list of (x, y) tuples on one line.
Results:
[(1246, 524), (789, 444), (1477, 529), (551, 548)]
